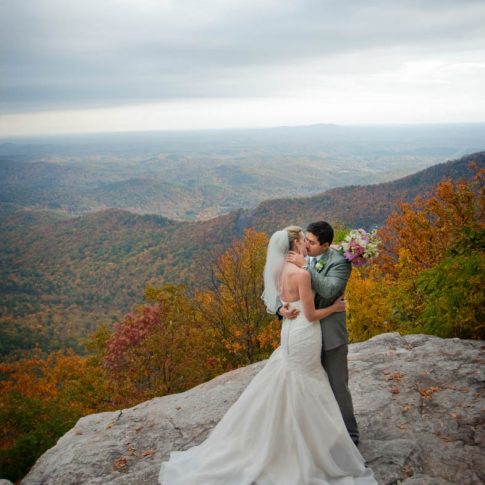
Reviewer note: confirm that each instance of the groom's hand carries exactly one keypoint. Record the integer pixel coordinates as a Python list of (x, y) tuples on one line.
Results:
[(285, 312), (296, 258)]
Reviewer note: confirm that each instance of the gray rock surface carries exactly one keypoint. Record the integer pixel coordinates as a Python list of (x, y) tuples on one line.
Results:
[(418, 400)]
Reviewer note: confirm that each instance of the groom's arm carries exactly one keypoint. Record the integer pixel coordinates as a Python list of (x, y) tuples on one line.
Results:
[(283, 312), (279, 305), (331, 285)]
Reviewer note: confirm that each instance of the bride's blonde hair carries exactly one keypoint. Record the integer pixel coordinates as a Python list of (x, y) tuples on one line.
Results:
[(293, 234)]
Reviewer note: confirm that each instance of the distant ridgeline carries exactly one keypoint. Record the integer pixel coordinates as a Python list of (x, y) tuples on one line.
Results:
[(200, 175), (60, 277)]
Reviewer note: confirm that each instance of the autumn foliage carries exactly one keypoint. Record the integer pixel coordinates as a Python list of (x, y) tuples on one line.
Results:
[(42, 398), (430, 275), (177, 340), (429, 278), (158, 349), (240, 331)]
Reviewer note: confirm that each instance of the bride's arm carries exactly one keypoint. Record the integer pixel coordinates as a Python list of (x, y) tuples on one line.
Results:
[(308, 301)]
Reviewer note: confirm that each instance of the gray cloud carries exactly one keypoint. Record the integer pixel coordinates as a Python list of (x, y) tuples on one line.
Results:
[(59, 55)]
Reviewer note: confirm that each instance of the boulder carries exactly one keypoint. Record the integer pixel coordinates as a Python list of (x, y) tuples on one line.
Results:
[(417, 400)]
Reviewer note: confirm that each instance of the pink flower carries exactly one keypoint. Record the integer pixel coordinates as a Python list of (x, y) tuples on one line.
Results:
[(359, 261), (356, 248)]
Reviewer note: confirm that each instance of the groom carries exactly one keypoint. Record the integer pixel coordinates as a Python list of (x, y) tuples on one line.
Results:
[(329, 272)]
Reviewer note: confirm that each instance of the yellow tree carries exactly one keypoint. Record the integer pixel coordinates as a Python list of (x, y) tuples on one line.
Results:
[(369, 308), (241, 330)]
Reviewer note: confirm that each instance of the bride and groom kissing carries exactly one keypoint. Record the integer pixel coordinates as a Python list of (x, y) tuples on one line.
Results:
[(294, 423)]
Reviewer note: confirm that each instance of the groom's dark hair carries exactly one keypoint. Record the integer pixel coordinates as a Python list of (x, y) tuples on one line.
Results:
[(322, 230)]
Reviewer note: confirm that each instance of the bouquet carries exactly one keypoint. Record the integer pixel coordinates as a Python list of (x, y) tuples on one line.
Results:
[(359, 247)]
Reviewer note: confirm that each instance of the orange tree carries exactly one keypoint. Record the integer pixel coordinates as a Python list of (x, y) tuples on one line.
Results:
[(42, 398), (430, 274), (452, 219)]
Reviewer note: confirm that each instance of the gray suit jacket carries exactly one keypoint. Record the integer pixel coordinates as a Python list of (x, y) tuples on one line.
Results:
[(329, 284)]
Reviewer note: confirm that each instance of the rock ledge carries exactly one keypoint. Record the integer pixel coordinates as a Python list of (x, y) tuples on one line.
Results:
[(418, 403)]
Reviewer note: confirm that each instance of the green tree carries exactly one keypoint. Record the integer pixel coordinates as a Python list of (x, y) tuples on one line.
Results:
[(454, 300)]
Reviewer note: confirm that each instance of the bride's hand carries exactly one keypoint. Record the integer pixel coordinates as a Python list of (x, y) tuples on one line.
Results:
[(339, 305), (296, 258)]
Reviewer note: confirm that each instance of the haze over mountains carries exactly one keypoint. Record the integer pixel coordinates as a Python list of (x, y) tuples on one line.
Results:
[(199, 175), (60, 277)]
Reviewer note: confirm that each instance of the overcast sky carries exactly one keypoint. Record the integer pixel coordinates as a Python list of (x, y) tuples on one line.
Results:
[(115, 65)]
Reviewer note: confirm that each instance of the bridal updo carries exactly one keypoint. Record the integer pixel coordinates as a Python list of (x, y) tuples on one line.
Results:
[(294, 233)]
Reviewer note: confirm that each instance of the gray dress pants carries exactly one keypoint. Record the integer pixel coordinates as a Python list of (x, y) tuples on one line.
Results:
[(334, 362)]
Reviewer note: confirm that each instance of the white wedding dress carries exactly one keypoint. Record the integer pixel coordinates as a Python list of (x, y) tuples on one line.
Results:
[(285, 428)]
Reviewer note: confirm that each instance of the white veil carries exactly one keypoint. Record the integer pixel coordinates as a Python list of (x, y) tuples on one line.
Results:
[(278, 248)]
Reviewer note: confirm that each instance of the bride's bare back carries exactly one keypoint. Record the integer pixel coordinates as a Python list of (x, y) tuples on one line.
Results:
[(290, 284)]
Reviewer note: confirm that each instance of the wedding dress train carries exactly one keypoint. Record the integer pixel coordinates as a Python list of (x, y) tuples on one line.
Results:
[(285, 429)]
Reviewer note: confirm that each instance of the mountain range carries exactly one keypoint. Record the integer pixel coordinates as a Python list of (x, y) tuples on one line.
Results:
[(199, 175), (61, 276)]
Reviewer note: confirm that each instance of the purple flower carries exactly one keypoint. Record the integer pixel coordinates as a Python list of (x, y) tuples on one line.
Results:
[(349, 256)]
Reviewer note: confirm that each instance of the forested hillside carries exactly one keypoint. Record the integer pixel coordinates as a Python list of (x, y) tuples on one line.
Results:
[(367, 205), (428, 278), (62, 277)]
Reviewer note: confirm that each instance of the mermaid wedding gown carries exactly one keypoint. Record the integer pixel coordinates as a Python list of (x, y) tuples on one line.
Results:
[(285, 428)]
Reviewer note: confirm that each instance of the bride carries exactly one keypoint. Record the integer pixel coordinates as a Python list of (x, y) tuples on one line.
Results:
[(286, 427)]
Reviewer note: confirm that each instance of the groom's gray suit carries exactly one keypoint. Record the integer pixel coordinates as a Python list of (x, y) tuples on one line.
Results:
[(329, 284)]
